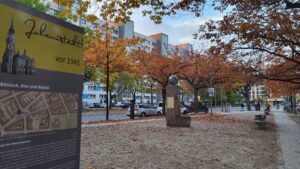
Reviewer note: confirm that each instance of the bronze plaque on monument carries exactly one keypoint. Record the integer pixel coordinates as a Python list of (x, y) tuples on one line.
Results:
[(170, 102)]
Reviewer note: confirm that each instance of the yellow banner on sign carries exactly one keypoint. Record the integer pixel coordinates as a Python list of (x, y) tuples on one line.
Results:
[(45, 44)]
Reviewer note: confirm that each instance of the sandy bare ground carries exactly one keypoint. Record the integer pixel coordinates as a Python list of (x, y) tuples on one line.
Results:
[(221, 142)]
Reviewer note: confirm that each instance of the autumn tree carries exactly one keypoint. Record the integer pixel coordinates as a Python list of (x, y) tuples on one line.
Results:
[(243, 78), (263, 31), (133, 82), (120, 10), (109, 56), (282, 71), (267, 29), (187, 89), (204, 71), (159, 68), (149, 86), (118, 83), (279, 88)]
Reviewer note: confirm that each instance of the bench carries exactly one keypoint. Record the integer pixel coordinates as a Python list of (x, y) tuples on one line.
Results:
[(260, 119)]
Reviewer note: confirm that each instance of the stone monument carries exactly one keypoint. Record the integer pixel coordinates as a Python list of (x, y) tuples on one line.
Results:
[(173, 116)]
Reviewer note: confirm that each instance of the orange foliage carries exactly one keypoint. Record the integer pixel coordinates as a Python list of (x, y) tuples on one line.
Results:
[(261, 31), (157, 67), (108, 54), (278, 88), (204, 71)]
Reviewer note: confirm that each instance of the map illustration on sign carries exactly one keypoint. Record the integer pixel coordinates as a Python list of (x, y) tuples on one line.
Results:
[(23, 112)]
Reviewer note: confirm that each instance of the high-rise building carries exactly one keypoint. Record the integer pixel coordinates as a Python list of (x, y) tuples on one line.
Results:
[(94, 93), (257, 92), (148, 43), (181, 49), (162, 43)]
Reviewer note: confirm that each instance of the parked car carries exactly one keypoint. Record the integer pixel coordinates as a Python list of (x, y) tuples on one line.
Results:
[(183, 109), (113, 105), (298, 108), (144, 110), (186, 109), (97, 105), (159, 108), (288, 108), (85, 105), (202, 107), (90, 105), (124, 105)]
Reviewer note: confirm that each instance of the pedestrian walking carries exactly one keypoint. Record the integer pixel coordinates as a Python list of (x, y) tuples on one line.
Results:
[(242, 107), (268, 109)]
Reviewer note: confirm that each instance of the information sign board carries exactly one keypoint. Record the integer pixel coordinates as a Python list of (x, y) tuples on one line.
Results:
[(41, 68), (211, 91)]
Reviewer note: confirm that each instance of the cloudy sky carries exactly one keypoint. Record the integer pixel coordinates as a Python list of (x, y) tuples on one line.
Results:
[(180, 28)]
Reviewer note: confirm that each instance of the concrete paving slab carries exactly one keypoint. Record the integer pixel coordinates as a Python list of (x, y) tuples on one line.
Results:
[(289, 139)]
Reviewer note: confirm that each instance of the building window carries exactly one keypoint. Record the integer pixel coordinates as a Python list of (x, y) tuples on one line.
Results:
[(91, 96), (102, 96), (83, 21), (92, 88), (116, 31), (53, 11)]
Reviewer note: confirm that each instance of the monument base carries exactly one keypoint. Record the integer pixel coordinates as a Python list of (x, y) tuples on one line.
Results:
[(173, 116), (179, 121)]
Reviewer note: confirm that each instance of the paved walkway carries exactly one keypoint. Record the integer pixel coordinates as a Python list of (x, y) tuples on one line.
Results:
[(289, 139)]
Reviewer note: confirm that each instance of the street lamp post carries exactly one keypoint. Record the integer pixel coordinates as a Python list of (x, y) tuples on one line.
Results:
[(211, 106), (221, 99)]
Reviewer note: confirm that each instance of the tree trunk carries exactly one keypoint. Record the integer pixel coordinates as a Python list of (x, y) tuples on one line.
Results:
[(132, 105), (246, 94), (107, 72), (182, 97), (151, 95), (110, 99), (134, 96), (195, 106), (294, 103), (107, 92), (248, 102), (291, 102), (164, 95)]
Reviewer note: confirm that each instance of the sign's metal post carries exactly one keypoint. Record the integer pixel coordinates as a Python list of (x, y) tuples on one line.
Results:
[(211, 105), (211, 93)]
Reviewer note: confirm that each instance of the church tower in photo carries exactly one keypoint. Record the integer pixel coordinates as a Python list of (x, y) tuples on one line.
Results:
[(13, 62)]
